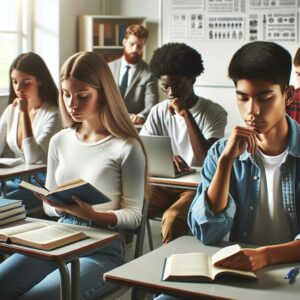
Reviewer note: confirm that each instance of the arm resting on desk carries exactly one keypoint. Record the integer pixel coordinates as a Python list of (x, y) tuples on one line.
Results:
[(255, 259)]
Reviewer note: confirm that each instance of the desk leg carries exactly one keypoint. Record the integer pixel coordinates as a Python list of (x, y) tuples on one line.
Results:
[(75, 278), (65, 286)]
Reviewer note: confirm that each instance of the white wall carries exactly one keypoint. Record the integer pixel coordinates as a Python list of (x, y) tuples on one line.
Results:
[(226, 97), (46, 33), (69, 12), (56, 26)]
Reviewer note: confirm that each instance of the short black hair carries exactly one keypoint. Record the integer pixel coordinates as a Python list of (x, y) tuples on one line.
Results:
[(176, 59), (260, 60)]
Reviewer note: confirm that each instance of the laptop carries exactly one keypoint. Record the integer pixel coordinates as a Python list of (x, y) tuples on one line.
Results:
[(160, 156)]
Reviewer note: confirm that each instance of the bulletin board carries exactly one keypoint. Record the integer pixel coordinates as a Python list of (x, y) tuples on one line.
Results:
[(217, 28)]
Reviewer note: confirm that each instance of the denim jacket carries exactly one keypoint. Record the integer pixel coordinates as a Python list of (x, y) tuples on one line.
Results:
[(244, 194)]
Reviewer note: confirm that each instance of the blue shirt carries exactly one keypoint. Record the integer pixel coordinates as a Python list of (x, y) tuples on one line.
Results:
[(244, 194)]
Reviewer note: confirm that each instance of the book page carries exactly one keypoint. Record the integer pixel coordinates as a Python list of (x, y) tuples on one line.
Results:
[(33, 188), (45, 235), (225, 253), (21, 228), (10, 162), (69, 185), (188, 264)]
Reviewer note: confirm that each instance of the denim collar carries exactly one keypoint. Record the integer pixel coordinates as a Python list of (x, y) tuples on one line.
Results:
[(293, 143)]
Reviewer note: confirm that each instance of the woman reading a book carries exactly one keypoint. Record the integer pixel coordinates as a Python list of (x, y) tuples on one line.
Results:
[(101, 146), (30, 119)]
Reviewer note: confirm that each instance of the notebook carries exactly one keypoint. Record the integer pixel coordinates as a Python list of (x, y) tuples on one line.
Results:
[(160, 156)]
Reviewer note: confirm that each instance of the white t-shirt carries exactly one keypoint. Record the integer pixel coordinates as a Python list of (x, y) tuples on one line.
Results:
[(210, 117), (34, 149), (271, 224), (113, 165)]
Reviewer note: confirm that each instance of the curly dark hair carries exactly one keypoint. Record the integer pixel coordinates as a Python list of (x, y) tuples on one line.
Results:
[(176, 59)]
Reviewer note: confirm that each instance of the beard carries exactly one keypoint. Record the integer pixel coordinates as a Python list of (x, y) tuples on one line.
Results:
[(132, 58)]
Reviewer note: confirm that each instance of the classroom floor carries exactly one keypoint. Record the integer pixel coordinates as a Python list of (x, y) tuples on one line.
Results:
[(155, 226)]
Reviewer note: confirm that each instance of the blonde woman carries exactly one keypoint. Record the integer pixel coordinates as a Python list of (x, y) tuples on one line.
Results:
[(101, 146)]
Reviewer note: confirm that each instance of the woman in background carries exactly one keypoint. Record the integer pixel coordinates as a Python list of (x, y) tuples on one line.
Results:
[(30, 119), (101, 146)]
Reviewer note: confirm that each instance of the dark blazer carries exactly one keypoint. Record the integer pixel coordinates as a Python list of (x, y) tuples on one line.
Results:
[(142, 93)]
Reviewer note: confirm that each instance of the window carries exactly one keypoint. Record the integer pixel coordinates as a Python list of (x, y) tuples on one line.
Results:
[(14, 35)]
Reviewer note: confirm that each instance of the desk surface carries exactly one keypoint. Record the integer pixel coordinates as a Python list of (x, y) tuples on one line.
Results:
[(97, 239), (22, 169), (145, 272), (187, 181)]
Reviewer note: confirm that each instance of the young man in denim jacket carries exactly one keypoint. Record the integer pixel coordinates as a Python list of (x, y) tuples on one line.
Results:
[(250, 184)]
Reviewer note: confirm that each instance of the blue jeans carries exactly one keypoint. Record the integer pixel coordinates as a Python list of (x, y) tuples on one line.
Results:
[(28, 278), (27, 197)]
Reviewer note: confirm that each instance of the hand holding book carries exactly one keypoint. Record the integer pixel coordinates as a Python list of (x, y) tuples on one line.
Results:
[(63, 194), (202, 267), (245, 259)]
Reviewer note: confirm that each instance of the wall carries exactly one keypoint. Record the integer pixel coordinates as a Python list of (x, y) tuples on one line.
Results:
[(69, 11), (45, 33), (55, 28)]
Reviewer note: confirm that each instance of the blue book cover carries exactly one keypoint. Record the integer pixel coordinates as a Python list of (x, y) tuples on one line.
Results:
[(63, 193), (7, 204), (122, 29)]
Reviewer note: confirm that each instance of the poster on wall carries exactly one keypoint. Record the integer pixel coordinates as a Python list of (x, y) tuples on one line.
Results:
[(274, 27), (229, 20), (225, 6), (217, 28), (270, 4), (226, 28)]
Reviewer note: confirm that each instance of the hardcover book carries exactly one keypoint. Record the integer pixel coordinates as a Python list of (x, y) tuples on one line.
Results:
[(63, 193), (17, 217), (11, 212), (6, 162), (40, 235), (7, 204), (200, 266)]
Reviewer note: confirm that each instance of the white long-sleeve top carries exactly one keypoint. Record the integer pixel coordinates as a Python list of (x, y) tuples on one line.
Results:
[(34, 149), (113, 165)]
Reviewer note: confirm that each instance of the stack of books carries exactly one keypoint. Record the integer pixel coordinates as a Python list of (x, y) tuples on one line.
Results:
[(11, 211)]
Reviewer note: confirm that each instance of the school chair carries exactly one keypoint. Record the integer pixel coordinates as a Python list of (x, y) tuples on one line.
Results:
[(139, 234), (149, 230)]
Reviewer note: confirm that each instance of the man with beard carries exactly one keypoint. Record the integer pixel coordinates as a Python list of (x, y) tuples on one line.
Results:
[(138, 86)]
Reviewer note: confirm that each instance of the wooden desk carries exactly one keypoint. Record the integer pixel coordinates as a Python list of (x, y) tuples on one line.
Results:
[(20, 170), (69, 253), (190, 181), (145, 272)]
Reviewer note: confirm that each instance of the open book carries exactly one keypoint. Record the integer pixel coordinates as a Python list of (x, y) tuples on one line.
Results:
[(40, 235), (200, 266), (6, 162), (63, 193)]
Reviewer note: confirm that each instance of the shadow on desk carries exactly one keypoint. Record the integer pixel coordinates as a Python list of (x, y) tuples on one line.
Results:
[(269, 285)]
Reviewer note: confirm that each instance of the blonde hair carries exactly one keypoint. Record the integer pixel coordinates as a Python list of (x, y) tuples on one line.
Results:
[(92, 69)]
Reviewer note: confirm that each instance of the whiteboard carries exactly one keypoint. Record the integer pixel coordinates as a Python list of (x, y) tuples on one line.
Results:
[(279, 24)]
